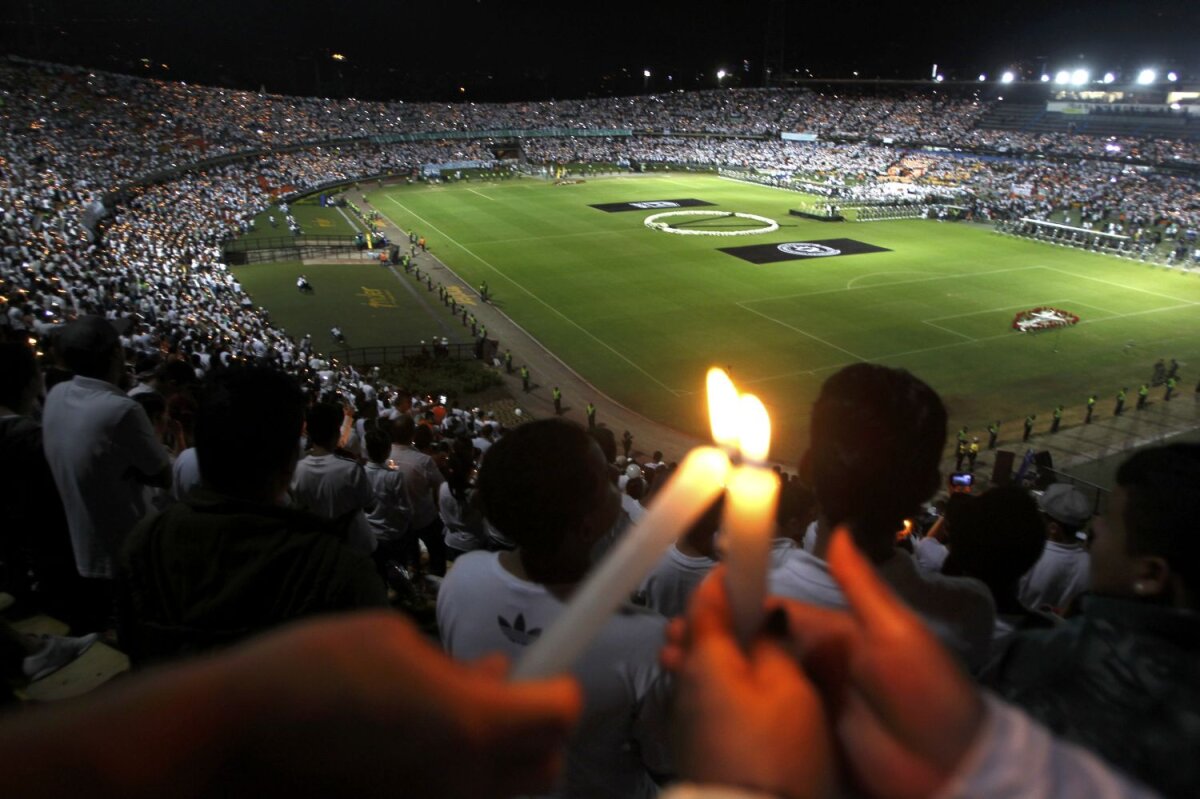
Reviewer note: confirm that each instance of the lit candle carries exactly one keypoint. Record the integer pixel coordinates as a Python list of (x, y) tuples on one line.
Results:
[(749, 520), (699, 480)]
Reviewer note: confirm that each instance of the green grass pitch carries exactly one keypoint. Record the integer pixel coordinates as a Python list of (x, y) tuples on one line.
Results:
[(642, 313)]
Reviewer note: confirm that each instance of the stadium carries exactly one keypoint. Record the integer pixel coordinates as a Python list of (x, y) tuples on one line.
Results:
[(964, 304)]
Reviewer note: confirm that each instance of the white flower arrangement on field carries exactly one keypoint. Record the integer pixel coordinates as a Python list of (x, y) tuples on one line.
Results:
[(654, 222)]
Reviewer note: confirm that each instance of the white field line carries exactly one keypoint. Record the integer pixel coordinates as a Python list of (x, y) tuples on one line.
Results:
[(956, 275), (853, 280), (953, 344), (552, 236), (353, 224), (535, 297), (1117, 285), (481, 194), (801, 332)]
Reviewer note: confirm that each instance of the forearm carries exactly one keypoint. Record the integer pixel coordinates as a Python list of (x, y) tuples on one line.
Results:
[(167, 733)]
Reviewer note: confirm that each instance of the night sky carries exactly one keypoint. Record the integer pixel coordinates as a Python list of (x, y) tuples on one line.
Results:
[(507, 49)]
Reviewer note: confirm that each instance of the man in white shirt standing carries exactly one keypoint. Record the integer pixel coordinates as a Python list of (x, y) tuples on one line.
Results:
[(545, 485), (1061, 574), (422, 478), (390, 515), (686, 564), (877, 438), (332, 486), (102, 451)]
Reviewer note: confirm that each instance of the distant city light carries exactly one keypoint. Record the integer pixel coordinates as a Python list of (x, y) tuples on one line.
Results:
[(338, 57), (1109, 77), (982, 77), (1172, 76), (940, 78), (721, 74), (1007, 77), (1079, 77), (1146, 77), (645, 73), (1062, 78)]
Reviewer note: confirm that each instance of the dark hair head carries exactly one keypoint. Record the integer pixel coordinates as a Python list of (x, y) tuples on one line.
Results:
[(1163, 507), (423, 437), (86, 346), (323, 424), (877, 437), (995, 537), (539, 481), (379, 444), (18, 368), (402, 429), (635, 488), (248, 430)]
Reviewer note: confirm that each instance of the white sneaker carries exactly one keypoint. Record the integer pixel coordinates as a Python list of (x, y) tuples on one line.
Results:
[(56, 652)]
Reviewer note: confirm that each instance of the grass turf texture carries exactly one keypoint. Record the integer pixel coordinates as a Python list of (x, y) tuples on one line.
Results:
[(369, 303), (642, 313)]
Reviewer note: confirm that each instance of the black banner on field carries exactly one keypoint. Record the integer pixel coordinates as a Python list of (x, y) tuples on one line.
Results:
[(649, 205), (794, 250)]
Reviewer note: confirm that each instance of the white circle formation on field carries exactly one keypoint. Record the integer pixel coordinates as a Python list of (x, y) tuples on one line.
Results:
[(808, 249), (654, 222)]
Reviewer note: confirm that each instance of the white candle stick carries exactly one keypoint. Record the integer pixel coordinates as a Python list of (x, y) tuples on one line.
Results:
[(749, 520), (683, 499)]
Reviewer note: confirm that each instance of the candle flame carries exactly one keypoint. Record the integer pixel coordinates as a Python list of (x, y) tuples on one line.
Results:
[(722, 408), (755, 428), (906, 532)]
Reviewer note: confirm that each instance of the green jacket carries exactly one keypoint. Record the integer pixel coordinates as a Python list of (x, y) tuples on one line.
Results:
[(1122, 679), (211, 570)]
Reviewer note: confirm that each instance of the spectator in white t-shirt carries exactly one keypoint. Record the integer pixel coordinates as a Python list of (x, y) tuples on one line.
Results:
[(333, 486), (545, 486), (1061, 573), (422, 478), (390, 514)]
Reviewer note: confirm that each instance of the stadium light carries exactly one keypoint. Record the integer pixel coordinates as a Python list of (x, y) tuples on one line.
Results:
[(1007, 77), (1172, 76), (721, 74), (940, 78), (982, 77), (1079, 77), (1045, 78), (1062, 78), (645, 73), (1146, 77), (1109, 77)]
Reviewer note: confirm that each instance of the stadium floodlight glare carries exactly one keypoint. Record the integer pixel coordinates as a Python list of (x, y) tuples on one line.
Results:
[(982, 77), (721, 74), (1109, 77), (1045, 78), (1146, 77), (1079, 77), (1172, 76), (645, 73), (940, 78), (1008, 77), (1062, 77)]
